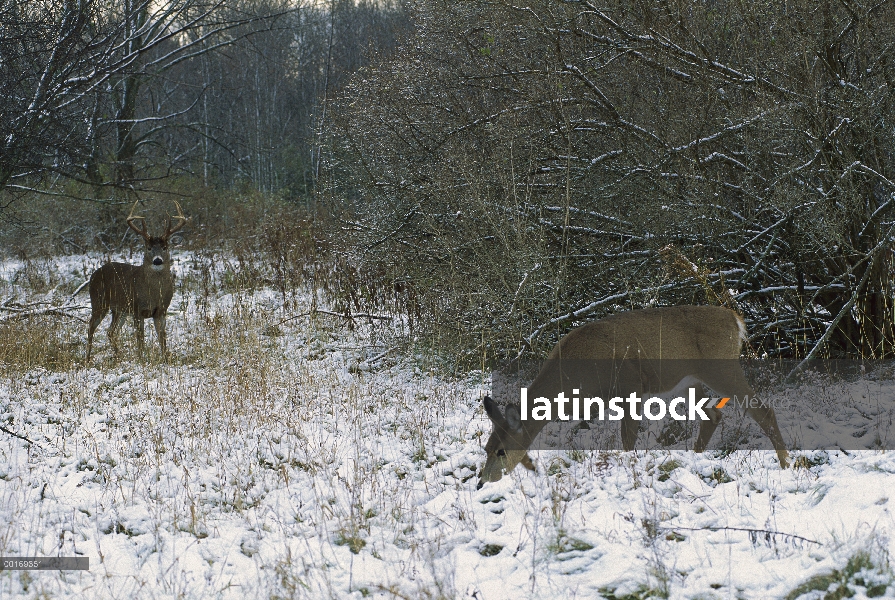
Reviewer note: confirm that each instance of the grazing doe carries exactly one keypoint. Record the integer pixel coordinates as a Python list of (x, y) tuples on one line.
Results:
[(141, 291), (699, 343)]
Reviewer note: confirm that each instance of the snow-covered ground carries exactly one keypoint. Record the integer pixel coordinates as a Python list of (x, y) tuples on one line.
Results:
[(273, 459)]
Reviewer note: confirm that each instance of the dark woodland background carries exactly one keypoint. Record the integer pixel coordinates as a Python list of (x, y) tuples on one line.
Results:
[(498, 173)]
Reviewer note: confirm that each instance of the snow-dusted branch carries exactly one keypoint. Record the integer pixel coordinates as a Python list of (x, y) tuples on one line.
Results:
[(885, 243)]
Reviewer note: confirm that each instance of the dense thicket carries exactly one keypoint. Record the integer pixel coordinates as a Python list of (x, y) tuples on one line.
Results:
[(524, 167)]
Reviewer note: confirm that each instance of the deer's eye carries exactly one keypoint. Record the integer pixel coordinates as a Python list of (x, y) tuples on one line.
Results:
[(501, 452)]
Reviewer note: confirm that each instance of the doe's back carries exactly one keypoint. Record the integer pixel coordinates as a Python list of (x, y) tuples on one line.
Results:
[(675, 332)]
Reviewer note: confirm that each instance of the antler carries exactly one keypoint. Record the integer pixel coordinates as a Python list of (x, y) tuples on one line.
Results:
[(130, 223), (169, 231)]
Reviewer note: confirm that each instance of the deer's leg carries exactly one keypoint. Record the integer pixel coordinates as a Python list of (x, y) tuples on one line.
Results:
[(706, 428), (159, 322), (767, 420), (630, 429), (140, 332), (113, 329), (731, 382), (96, 317)]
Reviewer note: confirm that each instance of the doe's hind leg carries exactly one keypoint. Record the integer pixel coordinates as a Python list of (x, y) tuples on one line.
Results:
[(730, 381)]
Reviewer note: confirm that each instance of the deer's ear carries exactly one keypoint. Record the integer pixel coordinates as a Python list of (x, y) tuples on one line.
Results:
[(492, 410), (514, 420)]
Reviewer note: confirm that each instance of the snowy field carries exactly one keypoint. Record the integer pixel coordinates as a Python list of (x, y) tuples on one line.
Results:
[(302, 458)]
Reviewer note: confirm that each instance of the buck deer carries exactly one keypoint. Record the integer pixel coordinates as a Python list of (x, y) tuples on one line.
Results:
[(691, 338), (141, 291)]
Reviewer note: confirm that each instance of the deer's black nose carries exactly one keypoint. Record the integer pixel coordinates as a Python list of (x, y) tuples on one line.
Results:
[(157, 261)]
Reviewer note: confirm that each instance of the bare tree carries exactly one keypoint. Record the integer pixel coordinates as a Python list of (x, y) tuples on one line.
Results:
[(77, 74), (119, 94), (48, 54)]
